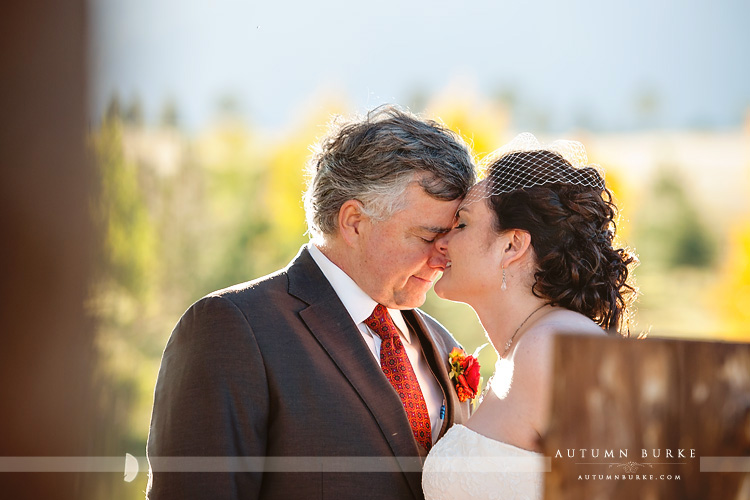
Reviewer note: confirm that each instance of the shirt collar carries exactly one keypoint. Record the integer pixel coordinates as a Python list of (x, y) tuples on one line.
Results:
[(358, 304)]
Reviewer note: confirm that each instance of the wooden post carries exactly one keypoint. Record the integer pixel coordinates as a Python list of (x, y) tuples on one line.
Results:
[(47, 349), (643, 419)]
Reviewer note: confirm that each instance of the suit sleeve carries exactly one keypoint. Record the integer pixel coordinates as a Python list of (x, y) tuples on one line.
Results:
[(211, 400)]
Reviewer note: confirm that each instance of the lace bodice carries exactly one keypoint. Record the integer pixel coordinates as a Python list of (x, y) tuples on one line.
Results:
[(465, 464)]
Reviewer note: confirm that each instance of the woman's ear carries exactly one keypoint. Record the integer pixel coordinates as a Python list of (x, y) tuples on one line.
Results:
[(350, 221), (517, 245)]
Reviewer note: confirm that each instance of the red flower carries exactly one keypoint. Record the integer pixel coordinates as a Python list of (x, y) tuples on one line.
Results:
[(464, 373), (471, 372)]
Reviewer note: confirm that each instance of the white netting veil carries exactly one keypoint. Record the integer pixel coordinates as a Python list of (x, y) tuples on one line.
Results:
[(525, 162)]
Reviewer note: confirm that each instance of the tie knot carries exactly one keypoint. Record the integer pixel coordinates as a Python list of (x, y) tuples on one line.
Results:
[(381, 323)]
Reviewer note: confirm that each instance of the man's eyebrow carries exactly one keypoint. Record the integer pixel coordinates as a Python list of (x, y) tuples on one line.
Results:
[(434, 229)]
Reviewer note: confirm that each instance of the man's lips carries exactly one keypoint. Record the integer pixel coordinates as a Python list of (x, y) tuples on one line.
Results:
[(425, 280)]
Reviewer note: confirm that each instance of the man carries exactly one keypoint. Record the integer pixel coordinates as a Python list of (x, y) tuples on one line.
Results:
[(326, 360)]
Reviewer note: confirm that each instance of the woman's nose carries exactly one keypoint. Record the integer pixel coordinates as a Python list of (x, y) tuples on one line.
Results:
[(441, 242)]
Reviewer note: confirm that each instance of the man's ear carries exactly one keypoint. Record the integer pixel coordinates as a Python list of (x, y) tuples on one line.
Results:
[(518, 243), (351, 218)]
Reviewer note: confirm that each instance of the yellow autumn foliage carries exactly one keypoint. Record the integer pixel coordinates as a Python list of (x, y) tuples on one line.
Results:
[(731, 296), (286, 176), (482, 123)]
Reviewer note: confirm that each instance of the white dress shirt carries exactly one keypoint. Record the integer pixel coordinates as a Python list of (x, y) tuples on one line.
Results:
[(360, 306)]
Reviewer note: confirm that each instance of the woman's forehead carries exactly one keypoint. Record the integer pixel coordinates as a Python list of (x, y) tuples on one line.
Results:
[(477, 192)]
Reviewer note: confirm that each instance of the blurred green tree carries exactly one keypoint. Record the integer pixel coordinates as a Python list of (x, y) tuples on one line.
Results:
[(169, 116), (133, 113), (121, 289), (669, 230)]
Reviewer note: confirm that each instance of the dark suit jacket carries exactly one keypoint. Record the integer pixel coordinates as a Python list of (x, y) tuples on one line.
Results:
[(277, 368)]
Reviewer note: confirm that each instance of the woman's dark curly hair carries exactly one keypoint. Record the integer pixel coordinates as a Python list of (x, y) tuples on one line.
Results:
[(572, 227)]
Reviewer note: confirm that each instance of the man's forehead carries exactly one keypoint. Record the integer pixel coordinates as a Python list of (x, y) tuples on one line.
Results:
[(427, 213)]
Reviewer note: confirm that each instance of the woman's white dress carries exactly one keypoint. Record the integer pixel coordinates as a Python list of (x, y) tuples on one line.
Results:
[(465, 464)]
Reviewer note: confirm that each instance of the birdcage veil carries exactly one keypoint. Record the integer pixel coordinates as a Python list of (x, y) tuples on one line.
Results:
[(525, 162)]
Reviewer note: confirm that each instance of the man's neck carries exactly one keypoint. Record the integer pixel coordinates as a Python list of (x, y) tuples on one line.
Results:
[(332, 250)]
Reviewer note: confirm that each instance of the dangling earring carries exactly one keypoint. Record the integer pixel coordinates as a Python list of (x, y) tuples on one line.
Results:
[(504, 286)]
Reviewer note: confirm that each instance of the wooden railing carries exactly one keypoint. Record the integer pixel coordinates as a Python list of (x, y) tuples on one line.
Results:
[(649, 419)]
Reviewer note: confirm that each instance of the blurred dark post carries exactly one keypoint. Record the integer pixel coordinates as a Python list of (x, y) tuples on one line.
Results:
[(655, 400), (46, 359)]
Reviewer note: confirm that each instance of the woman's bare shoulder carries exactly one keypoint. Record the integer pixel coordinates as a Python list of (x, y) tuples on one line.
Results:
[(533, 354), (563, 322)]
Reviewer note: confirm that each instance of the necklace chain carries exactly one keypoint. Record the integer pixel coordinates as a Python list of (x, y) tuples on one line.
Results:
[(512, 337)]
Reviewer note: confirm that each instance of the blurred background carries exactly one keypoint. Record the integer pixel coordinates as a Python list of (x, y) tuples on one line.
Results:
[(200, 117), (204, 117)]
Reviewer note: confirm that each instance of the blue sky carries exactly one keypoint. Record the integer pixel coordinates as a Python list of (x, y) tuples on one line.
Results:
[(570, 61)]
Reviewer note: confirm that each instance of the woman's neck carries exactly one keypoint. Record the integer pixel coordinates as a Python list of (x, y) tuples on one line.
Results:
[(502, 316)]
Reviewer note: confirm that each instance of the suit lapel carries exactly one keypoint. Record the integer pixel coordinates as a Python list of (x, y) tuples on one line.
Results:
[(437, 359), (330, 323)]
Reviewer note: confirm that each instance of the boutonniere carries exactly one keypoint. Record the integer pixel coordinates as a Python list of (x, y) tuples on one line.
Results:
[(464, 373)]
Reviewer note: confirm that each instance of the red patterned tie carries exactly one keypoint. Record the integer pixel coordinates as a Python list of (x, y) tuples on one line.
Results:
[(396, 366)]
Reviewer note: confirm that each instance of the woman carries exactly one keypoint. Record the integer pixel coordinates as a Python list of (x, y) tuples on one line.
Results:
[(531, 252)]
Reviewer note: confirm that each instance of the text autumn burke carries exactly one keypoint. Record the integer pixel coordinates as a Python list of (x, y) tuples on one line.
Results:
[(644, 453)]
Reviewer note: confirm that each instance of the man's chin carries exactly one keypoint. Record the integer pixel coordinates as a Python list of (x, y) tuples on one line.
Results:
[(412, 304), (410, 301)]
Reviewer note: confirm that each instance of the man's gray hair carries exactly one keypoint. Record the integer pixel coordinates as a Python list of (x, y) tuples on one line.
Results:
[(373, 159)]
